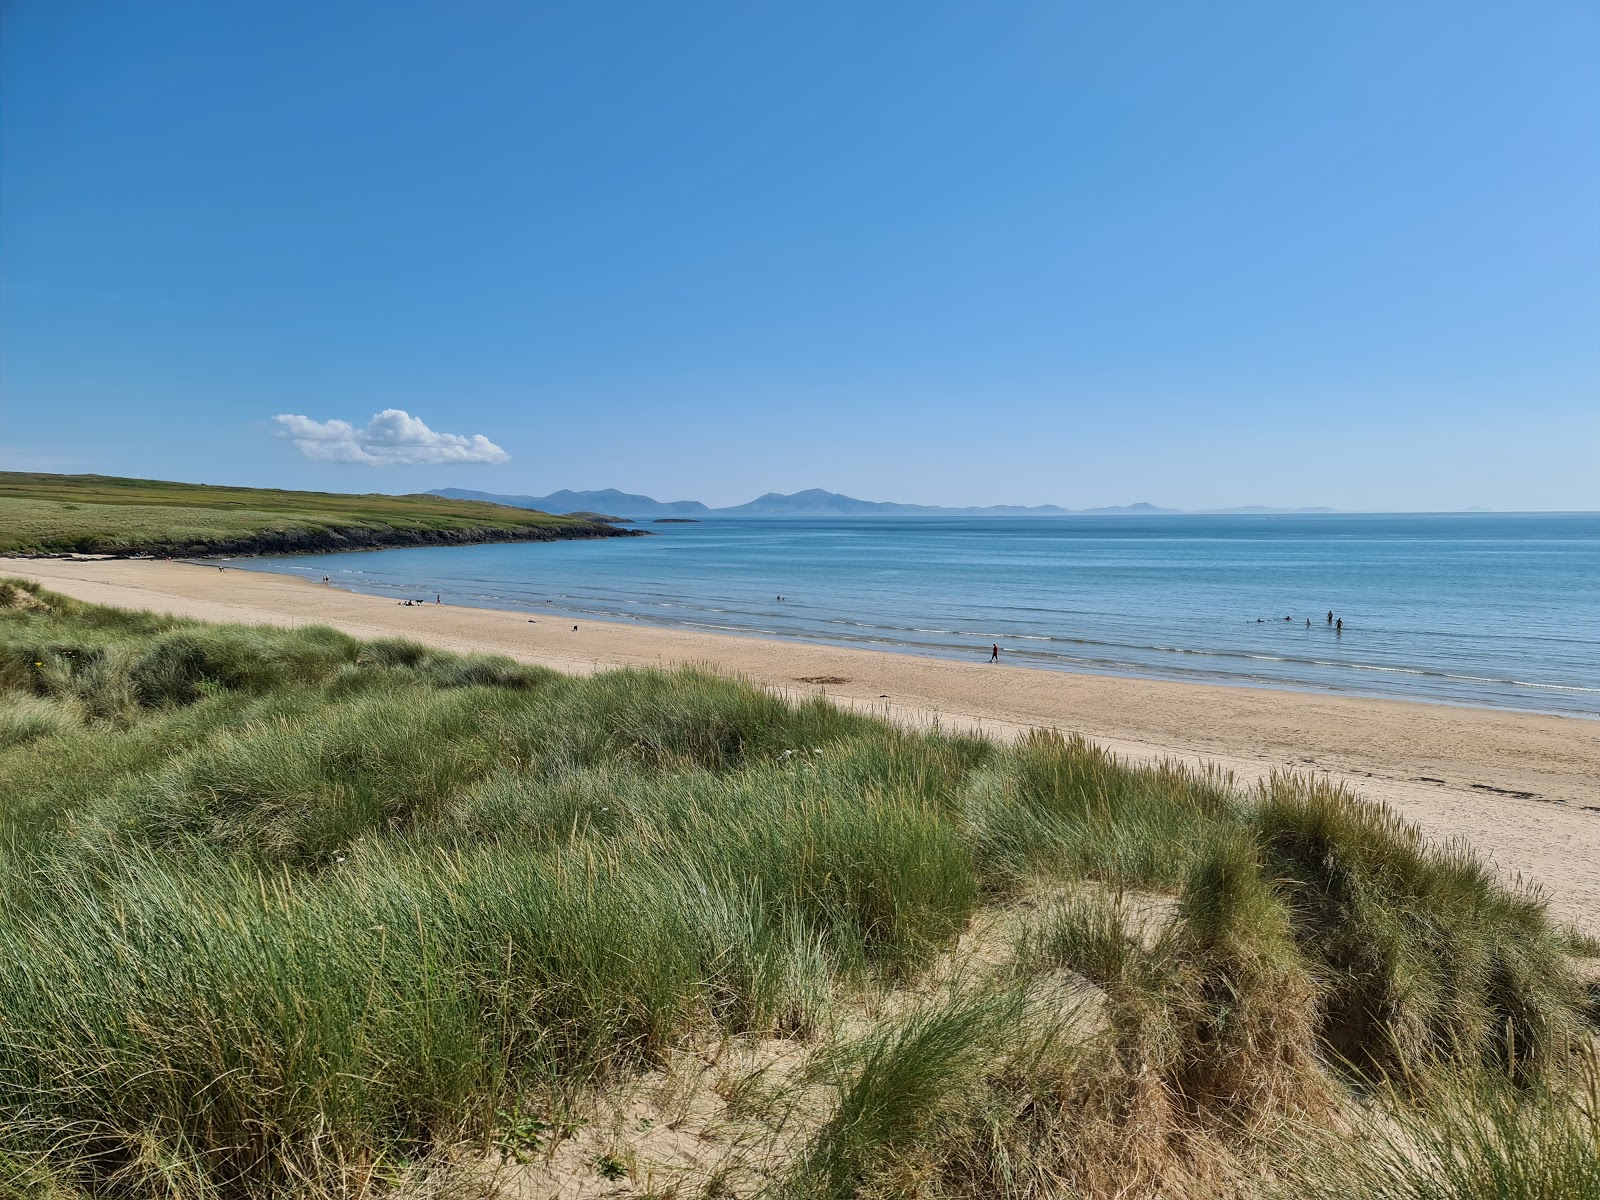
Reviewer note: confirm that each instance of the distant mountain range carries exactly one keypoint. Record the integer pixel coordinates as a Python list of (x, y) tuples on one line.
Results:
[(811, 503)]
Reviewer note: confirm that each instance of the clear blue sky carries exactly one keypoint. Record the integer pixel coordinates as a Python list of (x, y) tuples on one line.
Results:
[(1196, 254)]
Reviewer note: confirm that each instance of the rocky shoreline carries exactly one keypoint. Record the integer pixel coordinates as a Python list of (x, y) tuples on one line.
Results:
[(334, 540)]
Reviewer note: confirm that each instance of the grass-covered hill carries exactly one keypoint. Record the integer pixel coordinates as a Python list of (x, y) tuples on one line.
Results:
[(98, 514), (286, 913)]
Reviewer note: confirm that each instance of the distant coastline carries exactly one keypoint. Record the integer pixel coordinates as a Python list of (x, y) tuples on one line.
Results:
[(815, 502)]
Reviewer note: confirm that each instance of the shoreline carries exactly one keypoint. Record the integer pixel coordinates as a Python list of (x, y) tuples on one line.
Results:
[(1012, 654), (1522, 787)]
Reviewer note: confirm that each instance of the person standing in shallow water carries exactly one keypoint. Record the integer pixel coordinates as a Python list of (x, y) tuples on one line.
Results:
[(1338, 626), (1330, 616), (994, 653)]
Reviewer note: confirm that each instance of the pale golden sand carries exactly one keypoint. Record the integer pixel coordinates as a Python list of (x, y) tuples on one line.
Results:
[(1455, 771)]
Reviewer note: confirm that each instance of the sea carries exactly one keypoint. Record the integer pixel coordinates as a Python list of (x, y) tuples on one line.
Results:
[(1497, 610)]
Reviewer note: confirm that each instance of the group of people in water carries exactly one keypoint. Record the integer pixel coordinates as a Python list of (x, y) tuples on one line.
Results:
[(1336, 622)]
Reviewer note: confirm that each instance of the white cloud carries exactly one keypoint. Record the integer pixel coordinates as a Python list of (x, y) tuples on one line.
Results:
[(392, 436)]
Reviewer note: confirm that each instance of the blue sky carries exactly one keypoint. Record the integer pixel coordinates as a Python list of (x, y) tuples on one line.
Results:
[(1196, 254)]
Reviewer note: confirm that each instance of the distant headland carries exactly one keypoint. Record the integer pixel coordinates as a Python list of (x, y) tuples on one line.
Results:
[(43, 514)]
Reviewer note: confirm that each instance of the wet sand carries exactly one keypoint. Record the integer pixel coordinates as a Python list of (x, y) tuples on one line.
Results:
[(1523, 788)]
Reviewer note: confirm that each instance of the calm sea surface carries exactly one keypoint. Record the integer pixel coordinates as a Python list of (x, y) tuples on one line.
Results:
[(1470, 609)]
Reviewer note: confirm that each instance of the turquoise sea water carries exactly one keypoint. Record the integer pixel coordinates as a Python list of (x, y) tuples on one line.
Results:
[(1498, 610)]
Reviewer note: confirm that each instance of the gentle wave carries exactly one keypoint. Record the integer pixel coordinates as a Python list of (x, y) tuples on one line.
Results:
[(882, 636), (1493, 610)]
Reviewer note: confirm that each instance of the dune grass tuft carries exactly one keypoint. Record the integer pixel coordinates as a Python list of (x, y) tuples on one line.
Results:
[(1424, 957), (1465, 1137)]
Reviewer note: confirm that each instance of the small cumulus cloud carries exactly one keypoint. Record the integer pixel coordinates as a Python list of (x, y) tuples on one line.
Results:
[(391, 437)]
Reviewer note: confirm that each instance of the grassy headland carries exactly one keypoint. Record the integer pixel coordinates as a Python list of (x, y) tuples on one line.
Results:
[(283, 912), (97, 514)]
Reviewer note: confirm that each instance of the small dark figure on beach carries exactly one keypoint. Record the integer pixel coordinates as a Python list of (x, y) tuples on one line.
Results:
[(324, 579), (994, 653), (437, 599), (574, 629)]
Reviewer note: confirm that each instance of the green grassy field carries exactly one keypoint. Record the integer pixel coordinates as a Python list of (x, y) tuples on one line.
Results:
[(93, 514), (286, 913)]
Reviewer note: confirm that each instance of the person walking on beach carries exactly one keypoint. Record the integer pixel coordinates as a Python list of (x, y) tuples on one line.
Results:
[(994, 653)]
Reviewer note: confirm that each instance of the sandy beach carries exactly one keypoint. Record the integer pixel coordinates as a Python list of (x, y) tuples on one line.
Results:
[(1523, 788)]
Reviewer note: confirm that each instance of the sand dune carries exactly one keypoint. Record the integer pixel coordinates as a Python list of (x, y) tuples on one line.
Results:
[(1523, 788)]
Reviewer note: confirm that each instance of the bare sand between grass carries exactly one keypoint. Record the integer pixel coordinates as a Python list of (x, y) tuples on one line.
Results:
[(1523, 788)]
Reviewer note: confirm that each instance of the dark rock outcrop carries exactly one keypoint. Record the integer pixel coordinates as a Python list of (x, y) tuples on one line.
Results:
[(332, 540)]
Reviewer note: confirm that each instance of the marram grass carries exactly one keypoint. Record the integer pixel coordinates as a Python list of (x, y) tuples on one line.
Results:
[(285, 913)]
